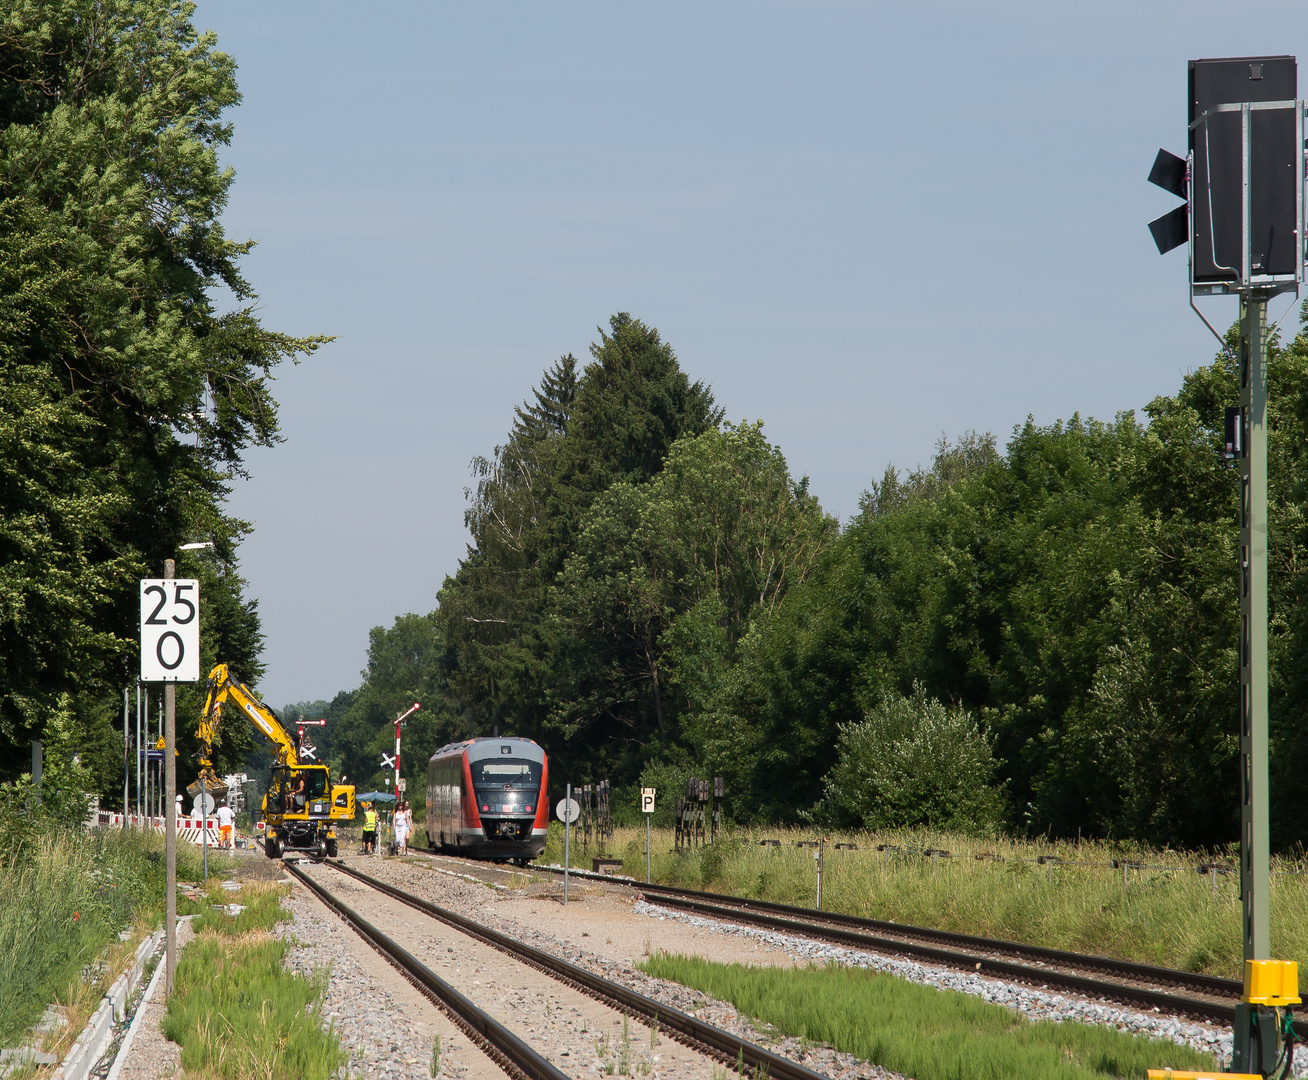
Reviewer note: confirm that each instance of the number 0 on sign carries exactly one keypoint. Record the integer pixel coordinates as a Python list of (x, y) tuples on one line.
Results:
[(170, 630)]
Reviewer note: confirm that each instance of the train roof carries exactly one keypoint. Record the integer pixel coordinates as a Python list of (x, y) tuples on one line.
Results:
[(477, 749)]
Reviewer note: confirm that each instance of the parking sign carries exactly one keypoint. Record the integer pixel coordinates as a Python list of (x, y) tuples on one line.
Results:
[(647, 800)]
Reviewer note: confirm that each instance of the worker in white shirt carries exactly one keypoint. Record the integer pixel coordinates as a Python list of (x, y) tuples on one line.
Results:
[(226, 819)]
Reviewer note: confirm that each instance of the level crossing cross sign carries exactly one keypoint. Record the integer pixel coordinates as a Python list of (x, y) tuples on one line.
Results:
[(170, 630), (388, 762)]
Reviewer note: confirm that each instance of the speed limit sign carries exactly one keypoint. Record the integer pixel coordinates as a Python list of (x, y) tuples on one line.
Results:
[(170, 630)]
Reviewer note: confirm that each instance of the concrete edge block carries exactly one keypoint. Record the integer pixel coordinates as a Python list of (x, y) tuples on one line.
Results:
[(91, 1043)]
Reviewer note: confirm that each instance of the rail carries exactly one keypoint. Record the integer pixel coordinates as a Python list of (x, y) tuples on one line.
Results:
[(730, 1048), (478, 1023), (852, 930)]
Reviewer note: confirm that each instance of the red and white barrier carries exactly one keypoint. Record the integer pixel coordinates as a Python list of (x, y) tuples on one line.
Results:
[(188, 829)]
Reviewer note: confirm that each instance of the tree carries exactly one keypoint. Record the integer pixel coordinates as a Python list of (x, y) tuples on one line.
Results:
[(580, 435), (664, 579), (407, 663), (131, 396), (913, 762)]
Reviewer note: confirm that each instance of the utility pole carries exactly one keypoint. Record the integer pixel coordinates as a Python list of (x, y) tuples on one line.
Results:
[(170, 827)]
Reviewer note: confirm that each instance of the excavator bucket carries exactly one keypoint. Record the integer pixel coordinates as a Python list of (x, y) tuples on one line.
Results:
[(213, 787)]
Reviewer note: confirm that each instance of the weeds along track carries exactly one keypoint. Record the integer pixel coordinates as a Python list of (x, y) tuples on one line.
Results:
[(712, 1042), (1183, 993)]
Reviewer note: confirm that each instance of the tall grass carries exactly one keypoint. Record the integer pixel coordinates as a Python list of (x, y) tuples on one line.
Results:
[(66, 895), (920, 1031), (239, 1014), (1164, 914)]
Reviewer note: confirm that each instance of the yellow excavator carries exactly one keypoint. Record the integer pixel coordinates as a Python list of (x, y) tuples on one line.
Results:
[(302, 804)]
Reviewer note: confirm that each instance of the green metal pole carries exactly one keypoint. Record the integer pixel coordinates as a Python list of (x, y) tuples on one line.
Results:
[(1254, 863), (1255, 1037)]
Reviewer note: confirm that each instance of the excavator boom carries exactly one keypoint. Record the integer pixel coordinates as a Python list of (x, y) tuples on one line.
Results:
[(303, 797)]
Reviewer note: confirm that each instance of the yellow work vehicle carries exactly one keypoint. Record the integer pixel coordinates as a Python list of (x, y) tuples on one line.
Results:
[(302, 803)]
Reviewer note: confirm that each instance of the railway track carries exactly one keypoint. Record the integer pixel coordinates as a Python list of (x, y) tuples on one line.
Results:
[(1204, 997), (517, 1056)]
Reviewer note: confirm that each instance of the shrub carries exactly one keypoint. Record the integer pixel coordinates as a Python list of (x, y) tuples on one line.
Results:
[(913, 762)]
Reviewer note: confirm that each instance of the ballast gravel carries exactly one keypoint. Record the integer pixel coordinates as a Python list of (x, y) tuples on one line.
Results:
[(622, 929), (376, 1030)]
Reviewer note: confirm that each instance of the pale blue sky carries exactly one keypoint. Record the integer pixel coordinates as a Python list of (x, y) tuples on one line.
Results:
[(866, 224)]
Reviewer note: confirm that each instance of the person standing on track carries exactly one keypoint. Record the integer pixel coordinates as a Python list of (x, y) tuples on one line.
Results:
[(369, 829)]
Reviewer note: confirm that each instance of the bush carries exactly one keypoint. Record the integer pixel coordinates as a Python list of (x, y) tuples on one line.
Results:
[(913, 762)]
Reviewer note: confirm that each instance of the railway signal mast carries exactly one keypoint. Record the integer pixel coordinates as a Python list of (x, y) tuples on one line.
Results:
[(1243, 219), (400, 725)]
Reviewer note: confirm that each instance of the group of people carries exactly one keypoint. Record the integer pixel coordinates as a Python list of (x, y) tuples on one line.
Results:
[(402, 821)]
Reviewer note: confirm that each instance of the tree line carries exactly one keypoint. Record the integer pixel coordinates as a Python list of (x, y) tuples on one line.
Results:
[(1037, 638), (128, 394)]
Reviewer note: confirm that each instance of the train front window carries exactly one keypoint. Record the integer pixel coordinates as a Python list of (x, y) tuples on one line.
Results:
[(506, 773)]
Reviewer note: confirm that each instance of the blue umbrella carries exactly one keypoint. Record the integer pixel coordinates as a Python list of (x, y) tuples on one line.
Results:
[(374, 796)]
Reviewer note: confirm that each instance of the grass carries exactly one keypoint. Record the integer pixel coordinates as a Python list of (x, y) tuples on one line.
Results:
[(920, 1031), (1166, 914), (67, 895), (236, 1011), (263, 910)]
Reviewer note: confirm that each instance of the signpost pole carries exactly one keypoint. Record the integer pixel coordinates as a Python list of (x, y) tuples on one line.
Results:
[(567, 839), (1255, 906), (127, 749), (204, 826), (170, 826)]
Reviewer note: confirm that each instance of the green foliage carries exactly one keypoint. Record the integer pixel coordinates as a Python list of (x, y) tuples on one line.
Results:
[(911, 762), (920, 1031), (238, 1013), (127, 398), (263, 909), (67, 894), (650, 594)]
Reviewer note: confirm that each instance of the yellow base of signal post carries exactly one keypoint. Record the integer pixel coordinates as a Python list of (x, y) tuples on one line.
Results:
[(1263, 1017), (1262, 1020)]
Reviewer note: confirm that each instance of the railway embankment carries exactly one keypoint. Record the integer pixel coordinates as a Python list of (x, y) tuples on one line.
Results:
[(1168, 908)]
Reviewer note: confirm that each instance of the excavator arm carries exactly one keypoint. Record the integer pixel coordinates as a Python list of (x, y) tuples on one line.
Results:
[(226, 690)]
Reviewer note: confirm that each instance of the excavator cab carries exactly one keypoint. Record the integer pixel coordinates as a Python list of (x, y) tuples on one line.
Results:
[(299, 792)]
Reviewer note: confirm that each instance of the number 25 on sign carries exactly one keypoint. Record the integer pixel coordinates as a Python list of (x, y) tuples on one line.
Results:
[(170, 630)]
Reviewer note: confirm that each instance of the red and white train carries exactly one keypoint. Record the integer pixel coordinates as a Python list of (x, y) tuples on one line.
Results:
[(489, 799)]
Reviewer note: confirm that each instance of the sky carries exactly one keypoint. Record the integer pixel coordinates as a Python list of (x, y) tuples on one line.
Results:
[(866, 224)]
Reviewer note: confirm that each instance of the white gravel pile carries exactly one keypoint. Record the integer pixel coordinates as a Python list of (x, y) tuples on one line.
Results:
[(1034, 1003)]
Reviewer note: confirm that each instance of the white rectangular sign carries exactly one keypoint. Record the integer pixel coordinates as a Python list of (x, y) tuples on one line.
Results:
[(647, 800), (404, 785), (170, 630)]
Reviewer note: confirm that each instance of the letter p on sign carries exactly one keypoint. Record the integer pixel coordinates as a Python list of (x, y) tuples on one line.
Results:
[(170, 630)]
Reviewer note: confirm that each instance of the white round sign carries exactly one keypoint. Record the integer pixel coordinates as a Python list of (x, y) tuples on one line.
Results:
[(568, 810), (204, 804)]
